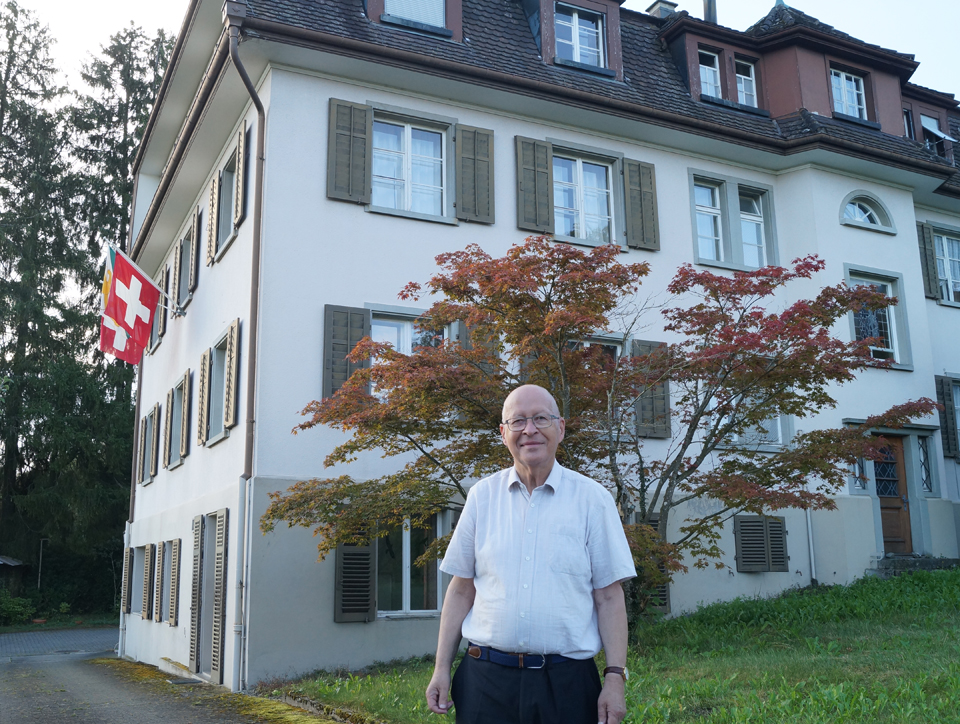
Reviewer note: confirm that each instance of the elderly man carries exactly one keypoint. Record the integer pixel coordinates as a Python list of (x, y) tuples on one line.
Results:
[(537, 560)]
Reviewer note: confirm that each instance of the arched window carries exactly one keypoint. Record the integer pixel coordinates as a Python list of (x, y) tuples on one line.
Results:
[(865, 211)]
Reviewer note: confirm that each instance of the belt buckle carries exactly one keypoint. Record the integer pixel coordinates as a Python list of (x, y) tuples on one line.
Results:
[(543, 661)]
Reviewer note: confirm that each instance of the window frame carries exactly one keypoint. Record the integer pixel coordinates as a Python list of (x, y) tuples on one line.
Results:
[(176, 423), (752, 78), (614, 162), (728, 191), (442, 525), (408, 118), (395, 18), (944, 233), (885, 223), (601, 26), (858, 274), (716, 69), (843, 75), (909, 131), (146, 454), (183, 274), (226, 232)]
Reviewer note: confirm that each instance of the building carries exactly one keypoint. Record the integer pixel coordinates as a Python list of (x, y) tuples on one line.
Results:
[(394, 130)]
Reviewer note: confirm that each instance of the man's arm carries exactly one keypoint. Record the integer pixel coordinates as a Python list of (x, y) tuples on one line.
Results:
[(456, 604), (612, 619)]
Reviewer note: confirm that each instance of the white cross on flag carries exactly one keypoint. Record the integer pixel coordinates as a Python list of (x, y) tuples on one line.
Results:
[(132, 299), (114, 340)]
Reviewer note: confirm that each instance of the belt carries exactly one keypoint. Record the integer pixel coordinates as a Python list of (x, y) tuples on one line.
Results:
[(516, 661)]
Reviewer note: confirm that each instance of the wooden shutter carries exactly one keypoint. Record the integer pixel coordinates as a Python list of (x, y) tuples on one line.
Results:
[(125, 580), (660, 599), (534, 185), (751, 542), (184, 441), (164, 302), (653, 406), (475, 179), (343, 327), (240, 187), (928, 261), (158, 585), (167, 421), (777, 544), (196, 592), (219, 597), (195, 234), (948, 417), (212, 206), (141, 457), (356, 584), (145, 611), (349, 151), (203, 398), (640, 196), (174, 292), (232, 374), (173, 606), (155, 442)]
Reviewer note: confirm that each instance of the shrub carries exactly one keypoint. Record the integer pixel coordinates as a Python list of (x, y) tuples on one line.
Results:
[(13, 610)]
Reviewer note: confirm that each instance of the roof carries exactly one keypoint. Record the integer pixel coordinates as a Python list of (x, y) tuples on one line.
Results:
[(8, 561)]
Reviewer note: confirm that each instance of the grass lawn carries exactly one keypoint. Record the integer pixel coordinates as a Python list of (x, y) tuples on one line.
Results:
[(876, 651), (69, 620)]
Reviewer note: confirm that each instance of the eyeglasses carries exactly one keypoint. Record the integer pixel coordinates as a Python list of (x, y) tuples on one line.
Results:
[(516, 424)]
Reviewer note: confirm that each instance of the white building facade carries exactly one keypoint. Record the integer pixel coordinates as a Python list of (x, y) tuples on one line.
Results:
[(393, 133)]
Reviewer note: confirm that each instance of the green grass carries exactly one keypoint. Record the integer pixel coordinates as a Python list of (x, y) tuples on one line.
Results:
[(876, 651), (70, 620)]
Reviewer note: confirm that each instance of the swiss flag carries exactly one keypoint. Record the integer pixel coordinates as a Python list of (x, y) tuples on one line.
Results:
[(132, 299), (114, 340)]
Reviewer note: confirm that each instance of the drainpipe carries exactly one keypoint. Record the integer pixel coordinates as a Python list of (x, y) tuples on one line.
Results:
[(233, 18), (810, 545)]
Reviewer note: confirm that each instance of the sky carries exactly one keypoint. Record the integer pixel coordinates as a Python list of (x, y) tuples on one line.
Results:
[(927, 29)]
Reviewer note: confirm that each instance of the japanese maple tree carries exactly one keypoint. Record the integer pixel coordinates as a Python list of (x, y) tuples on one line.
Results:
[(563, 317)]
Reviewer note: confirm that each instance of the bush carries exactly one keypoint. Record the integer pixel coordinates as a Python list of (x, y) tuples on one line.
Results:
[(13, 610)]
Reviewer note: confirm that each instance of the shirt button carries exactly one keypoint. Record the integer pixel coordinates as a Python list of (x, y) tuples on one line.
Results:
[(529, 530), (525, 585), (521, 643), (533, 505), (521, 614), (528, 558)]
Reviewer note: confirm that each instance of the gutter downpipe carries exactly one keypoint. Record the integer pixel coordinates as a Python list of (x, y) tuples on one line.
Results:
[(122, 646), (811, 548), (233, 17)]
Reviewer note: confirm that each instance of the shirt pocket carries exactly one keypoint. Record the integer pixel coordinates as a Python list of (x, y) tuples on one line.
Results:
[(569, 553)]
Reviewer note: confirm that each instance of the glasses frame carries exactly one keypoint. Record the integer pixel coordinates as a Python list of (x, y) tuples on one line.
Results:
[(511, 423)]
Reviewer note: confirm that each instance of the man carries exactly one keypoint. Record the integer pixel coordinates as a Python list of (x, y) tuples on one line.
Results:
[(537, 560)]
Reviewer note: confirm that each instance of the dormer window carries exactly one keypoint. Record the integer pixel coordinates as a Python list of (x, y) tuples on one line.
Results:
[(579, 36), (709, 74), (746, 83), (848, 97), (933, 137), (426, 12)]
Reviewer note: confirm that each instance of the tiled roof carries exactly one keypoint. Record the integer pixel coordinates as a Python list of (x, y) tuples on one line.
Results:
[(497, 38), (782, 17)]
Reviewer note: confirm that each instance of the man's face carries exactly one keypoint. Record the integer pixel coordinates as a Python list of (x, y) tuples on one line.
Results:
[(531, 446)]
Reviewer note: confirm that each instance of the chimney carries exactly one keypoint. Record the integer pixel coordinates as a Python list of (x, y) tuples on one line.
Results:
[(662, 9), (710, 11)]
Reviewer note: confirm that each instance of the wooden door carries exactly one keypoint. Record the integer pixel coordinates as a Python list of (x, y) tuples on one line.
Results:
[(891, 478)]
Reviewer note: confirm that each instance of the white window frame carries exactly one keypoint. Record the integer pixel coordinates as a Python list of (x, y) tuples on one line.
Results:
[(852, 212), (753, 218), (746, 97), (908, 129), (841, 104), (579, 160), (146, 462), (946, 276), (712, 212), (443, 523), (409, 325), (227, 179), (183, 274), (396, 8), (218, 392), (406, 152), (706, 84), (176, 421), (575, 34), (882, 353), (897, 315)]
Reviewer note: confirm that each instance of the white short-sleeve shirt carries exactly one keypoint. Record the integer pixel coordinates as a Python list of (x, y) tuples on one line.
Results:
[(535, 561)]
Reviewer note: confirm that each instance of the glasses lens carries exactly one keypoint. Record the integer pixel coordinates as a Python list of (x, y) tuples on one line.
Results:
[(542, 421)]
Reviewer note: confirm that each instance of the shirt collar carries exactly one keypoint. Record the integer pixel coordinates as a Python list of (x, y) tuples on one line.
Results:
[(553, 479)]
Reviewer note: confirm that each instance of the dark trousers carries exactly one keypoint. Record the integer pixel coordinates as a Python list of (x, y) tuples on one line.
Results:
[(487, 693)]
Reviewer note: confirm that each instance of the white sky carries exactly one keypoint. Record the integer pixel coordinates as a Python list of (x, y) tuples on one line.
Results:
[(927, 28)]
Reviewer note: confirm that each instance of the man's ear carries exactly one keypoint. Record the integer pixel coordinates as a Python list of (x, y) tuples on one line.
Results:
[(563, 428)]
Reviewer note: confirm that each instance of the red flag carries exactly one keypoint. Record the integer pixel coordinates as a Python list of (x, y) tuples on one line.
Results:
[(132, 301), (114, 340)]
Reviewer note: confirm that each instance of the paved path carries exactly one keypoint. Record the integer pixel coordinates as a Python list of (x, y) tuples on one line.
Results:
[(30, 643)]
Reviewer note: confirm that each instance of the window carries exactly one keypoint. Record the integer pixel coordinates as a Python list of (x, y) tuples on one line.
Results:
[(217, 387), (408, 168), (948, 396), (579, 36), (149, 444), (923, 455), (182, 292), (176, 436), (848, 97), (136, 589), (404, 335), (160, 315), (582, 199), (226, 205), (948, 266), (859, 210), (864, 210), (228, 182), (427, 12), (877, 324), (933, 137), (403, 586), (761, 543), (858, 474), (718, 239), (164, 562), (746, 83), (908, 124), (710, 74)]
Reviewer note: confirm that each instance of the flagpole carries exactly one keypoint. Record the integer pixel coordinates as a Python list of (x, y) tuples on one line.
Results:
[(173, 307)]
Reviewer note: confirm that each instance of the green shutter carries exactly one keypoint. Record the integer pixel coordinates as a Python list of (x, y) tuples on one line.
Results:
[(343, 327), (640, 196), (928, 261), (777, 544), (948, 417), (349, 151), (219, 598), (356, 584), (653, 406), (534, 185), (750, 535), (475, 195)]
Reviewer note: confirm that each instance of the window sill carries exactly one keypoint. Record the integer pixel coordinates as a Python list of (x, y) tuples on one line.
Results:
[(146, 482), (732, 266), (900, 366), (414, 25), (858, 121), (185, 303), (175, 465), (733, 105), (412, 215), (408, 616), (889, 230), (577, 241), (220, 436), (948, 303), (596, 70), (224, 246)]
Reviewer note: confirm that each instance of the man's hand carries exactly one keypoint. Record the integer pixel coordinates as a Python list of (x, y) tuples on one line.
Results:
[(438, 693), (612, 704)]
